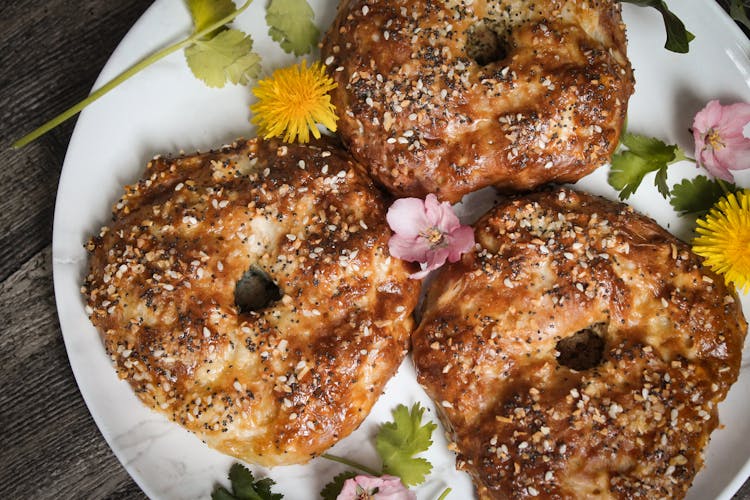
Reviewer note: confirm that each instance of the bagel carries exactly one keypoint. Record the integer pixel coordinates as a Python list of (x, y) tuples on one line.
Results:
[(580, 352), (275, 370), (449, 97)]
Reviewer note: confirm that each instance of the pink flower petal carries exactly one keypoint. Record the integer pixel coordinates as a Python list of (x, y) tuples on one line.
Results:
[(707, 118), (448, 222), (734, 117), (707, 159), (720, 142), (433, 210), (393, 489), (462, 239), (411, 249), (435, 259), (441, 215), (349, 491), (734, 156), (407, 217), (388, 488), (427, 232)]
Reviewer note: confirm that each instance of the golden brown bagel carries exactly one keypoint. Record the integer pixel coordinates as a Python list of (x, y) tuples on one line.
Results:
[(580, 353), (279, 382), (447, 97)]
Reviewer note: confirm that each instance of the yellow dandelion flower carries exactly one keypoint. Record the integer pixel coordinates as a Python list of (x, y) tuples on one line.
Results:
[(293, 101), (724, 239)]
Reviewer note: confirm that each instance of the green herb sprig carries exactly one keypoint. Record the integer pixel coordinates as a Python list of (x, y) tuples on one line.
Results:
[(678, 37), (642, 156), (738, 11), (397, 443), (290, 23), (236, 62), (245, 486), (697, 196), (648, 154)]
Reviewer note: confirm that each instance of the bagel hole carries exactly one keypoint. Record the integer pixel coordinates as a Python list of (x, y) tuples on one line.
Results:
[(584, 349), (485, 45), (255, 291)]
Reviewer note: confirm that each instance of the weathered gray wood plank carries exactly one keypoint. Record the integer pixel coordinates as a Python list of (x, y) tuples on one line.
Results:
[(51, 447), (51, 53)]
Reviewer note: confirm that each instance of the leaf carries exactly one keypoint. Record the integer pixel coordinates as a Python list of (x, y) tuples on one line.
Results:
[(263, 490), (698, 195), (220, 493), (245, 487), (737, 9), (227, 57), (207, 12), (290, 22), (331, 490), (660, 181), (678, 37), (644, 155), (397, 442), (627, 172), (242, 481)]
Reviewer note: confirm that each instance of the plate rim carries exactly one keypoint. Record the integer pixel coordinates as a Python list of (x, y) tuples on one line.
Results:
[(59, 288)]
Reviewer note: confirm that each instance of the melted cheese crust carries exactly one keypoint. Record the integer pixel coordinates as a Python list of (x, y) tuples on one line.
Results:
[(282, 384), (425, 117), (552, 264)]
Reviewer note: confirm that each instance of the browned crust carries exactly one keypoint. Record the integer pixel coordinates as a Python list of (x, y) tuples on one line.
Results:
[(552, 264), (424, 117), (283, 384)]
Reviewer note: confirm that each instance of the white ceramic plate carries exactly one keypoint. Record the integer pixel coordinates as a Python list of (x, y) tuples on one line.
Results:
[(165, 110)]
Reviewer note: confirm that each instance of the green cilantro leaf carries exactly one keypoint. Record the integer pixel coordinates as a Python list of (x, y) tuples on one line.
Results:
[(226, 57), (644, 155), (245, 487), (207, 12), (678, 37), (290, 22), (660, 181), (737, 9), (697, 196), (331, 490), (397, 442), (223, 55), (221, 493)]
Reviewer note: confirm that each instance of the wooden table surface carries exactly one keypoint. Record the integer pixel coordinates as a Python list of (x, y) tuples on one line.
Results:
[(51, 53)]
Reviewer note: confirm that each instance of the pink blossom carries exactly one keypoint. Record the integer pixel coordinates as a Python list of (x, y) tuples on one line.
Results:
[(427, 232), (375, 488), (720, 141)]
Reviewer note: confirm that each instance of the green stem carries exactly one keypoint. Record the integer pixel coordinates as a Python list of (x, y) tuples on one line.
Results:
[(444, 494), (350, 463), (140, 65), (75, 109), (723, 186)]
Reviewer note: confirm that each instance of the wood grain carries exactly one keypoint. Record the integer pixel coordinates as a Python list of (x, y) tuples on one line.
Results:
[(52, 53), (50, 448)]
